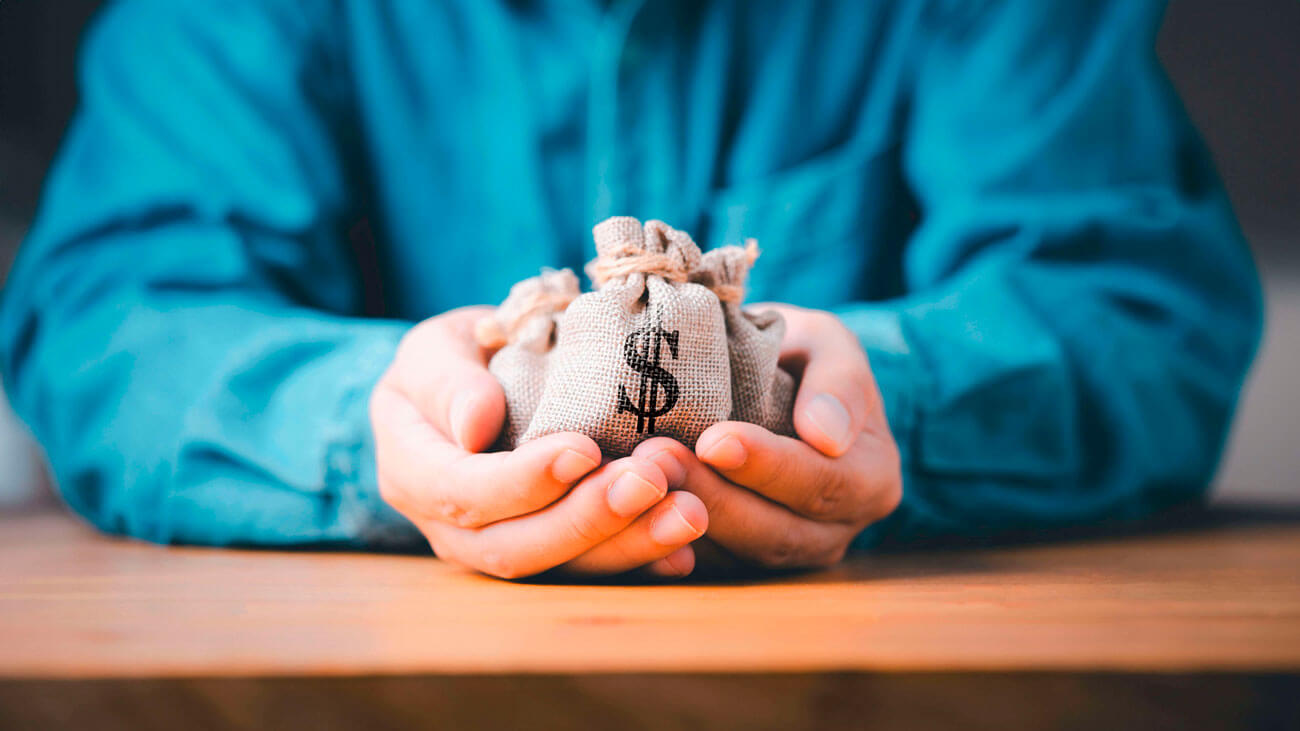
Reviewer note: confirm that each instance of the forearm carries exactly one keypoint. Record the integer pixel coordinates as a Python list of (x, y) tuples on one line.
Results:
[(211, 423), (1026, 399), (1081, 306), (175, 329)]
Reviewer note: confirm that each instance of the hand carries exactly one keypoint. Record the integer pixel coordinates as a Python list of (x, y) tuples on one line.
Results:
[(548, 504), (780, 502)]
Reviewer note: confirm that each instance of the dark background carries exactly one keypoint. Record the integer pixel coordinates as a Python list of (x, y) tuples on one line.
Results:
[(1236, 65)]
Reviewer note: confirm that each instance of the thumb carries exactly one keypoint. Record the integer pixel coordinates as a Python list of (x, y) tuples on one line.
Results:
[(476, 410), (443, 371), (837, 397)]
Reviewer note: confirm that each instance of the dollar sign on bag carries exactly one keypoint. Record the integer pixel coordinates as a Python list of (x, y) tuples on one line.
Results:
[(643, 350)]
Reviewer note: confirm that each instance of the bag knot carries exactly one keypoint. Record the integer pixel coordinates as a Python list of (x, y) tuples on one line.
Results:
[(625, 247), (725, 270), (528, 312)]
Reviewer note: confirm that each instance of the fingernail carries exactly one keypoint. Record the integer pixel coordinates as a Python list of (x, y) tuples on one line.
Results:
[(672, 528), (672, 469), (726, 454), (830, 417), (459, 415), (631, 493), (570, 465)]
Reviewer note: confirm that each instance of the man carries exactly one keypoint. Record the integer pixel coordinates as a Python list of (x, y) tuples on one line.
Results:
[(1015, 291)]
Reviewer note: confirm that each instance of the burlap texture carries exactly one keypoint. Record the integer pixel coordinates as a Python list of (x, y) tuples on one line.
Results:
[(761, 393), (523, 327), (660, 348)]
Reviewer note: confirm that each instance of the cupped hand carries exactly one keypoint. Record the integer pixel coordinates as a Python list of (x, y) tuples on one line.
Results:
[(783, 502), (550, 504)]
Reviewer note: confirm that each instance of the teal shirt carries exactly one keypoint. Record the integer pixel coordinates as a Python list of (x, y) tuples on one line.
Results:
[(1003, 200)]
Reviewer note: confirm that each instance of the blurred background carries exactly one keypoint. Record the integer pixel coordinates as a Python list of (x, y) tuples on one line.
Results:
[(1236, 65)]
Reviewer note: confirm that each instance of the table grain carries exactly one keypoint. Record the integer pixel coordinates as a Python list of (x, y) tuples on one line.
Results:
[(75, 604)]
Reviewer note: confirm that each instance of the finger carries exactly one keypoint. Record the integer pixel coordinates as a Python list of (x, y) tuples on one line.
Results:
[(837, 397), (427, 477), (712, 559), (670, 525), (443, 371), (599, 507), (675, 565), (748, 525), (790, 472)]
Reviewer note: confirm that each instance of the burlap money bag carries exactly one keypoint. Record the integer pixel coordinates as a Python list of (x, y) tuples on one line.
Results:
[(644, 354), (523, 328), (761, 393)]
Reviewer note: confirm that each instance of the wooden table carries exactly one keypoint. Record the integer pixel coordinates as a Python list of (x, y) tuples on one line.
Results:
[(1199, 623)]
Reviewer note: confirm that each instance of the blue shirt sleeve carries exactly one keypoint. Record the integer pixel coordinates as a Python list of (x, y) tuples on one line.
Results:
[(176, 331), (1082, 307), (180, 329)]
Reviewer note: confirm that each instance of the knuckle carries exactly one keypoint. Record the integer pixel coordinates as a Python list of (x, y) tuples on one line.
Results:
[(890, 499), (888, 491), (783, 551), (721, 508), (586, 529), (830, 500), (893, 460), (854, 382), (827, 322), (827, 549), (468, 518), (798, 549), (772, 468), (832, 555), (532, 488), (448, 510), (624, 555)]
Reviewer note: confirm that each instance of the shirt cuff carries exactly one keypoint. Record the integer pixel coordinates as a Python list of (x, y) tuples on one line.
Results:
[(350, 459), (901, 378)]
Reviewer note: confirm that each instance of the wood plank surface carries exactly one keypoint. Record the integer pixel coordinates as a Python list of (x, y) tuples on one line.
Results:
[(75, 604)]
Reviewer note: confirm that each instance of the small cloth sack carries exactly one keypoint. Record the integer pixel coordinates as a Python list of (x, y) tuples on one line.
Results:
[(523, 327), (761, 393), (661, 347)]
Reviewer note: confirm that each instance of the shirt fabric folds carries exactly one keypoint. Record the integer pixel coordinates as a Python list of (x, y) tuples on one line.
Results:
[(1004, 201)]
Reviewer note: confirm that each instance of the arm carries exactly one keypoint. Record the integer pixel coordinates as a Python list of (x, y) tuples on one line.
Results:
[(178, 331), (1082, 312), (1084, 307)]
